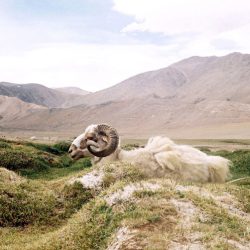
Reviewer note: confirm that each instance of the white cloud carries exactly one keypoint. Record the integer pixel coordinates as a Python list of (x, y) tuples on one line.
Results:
[(174, 17), (198, 27)]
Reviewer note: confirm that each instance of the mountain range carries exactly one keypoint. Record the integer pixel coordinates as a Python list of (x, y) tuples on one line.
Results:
[(41, 95), (204, 96)]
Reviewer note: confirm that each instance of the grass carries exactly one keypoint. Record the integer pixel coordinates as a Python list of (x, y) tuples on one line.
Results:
[(39, 161), (240, 160), (53, 173), (224, 224), (41, 210), (23, 204)]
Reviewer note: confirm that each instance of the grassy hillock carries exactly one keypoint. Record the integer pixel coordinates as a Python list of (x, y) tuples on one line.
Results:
[(35, 160), (43, 204)]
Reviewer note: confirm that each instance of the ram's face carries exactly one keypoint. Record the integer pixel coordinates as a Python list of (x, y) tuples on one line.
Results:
[(77, 149), (97, 140)]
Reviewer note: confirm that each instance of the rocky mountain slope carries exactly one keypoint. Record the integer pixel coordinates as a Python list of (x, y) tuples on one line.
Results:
[(40, 95)]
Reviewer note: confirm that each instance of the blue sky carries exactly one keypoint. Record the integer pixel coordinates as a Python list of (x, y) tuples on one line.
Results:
[(94, 44)]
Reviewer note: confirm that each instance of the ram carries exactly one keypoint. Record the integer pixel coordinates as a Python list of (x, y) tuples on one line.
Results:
[(161, 157)]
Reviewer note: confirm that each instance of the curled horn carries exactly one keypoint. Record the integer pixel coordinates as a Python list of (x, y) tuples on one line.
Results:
[(106, 141)]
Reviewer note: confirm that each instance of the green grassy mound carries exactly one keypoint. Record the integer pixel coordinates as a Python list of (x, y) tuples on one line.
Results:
[(33, 159), (24, 202), (43, 209)]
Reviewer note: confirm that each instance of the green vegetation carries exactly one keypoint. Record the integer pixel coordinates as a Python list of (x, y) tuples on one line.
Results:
[(41, 208), (117, 172), (223, 223), (23, 203), (4, 144), (58, 148), (36, 160), (240, 160)]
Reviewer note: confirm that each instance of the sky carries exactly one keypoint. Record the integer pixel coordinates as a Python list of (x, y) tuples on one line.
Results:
[(94, 44)]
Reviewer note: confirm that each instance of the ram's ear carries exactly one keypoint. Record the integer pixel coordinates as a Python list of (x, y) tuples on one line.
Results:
[(83, 144), (105, 138)]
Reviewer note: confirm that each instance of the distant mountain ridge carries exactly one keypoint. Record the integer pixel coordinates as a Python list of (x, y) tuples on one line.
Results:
[(73, 91), (190, 79), (40, 95)]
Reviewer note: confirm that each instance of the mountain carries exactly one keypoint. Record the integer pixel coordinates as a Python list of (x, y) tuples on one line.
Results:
[(12, 108), (162, 83), (142, 117), (204, 96), (193, 79), (40, 95), (73, 90)]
